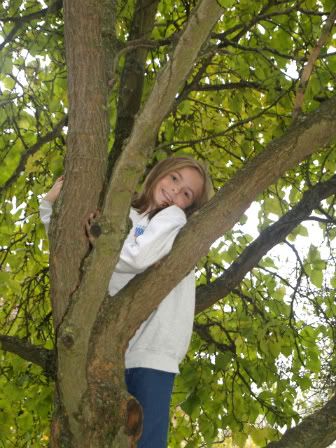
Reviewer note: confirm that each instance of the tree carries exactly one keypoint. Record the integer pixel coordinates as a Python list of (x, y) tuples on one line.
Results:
[(145, 80)]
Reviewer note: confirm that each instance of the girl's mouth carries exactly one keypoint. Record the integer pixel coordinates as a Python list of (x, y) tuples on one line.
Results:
[(166, 197)]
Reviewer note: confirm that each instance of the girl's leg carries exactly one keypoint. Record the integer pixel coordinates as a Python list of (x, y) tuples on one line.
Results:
[(153, 389)]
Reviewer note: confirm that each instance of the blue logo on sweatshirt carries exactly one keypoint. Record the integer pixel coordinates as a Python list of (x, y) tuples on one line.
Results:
[(139, 230)]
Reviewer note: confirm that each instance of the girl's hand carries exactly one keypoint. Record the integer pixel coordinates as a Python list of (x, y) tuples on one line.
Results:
[(54, 192), (92, 228)]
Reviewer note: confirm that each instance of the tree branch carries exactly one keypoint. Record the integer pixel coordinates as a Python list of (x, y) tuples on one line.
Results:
[(242, 28), (33, 353), (207, 295), (229, 85), (203, 331), (54, 7), (307, 71), (132, 78)]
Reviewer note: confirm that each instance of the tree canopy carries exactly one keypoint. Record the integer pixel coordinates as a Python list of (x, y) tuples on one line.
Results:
[(261, 84)]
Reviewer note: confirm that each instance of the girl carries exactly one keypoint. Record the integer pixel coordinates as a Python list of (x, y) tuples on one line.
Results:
[(174, 189)]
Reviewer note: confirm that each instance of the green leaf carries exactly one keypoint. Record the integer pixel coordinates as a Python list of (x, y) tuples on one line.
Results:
[(227, 3), (333, 281), (316, 277), (222, 360), (313, 363), (261, 436), (239, 438), (192, 405)]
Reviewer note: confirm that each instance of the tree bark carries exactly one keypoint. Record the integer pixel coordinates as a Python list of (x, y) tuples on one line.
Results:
[(85, 167), (87, 148)]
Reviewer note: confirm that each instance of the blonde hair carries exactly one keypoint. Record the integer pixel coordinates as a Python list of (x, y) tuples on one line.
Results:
[(144, 200)]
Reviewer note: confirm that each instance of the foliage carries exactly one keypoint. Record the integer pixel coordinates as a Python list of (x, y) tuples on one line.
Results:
[(266, 350)]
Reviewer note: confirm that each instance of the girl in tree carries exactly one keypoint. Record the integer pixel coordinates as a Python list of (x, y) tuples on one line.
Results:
[(174, 189)]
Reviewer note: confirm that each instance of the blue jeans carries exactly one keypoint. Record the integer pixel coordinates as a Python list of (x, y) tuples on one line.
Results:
[(153, 389)]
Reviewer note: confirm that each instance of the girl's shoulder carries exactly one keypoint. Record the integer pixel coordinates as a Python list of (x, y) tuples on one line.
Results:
[(165, 219), (172, 212), (135, 216)]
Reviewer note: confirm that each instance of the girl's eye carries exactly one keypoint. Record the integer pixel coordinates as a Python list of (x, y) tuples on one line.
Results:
[(174, 177)]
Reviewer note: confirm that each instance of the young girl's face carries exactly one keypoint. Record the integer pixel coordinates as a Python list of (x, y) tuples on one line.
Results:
[(180, 187)]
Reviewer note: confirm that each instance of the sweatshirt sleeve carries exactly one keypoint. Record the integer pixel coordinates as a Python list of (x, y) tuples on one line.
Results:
[(45, 212), (138, 253)]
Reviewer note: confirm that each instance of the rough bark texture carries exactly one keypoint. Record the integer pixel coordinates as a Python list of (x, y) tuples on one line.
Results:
[(317, 430), (87, 148), (84, 175)]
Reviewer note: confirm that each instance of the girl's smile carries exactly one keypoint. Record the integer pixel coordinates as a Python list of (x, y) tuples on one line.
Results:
[(180, 187)]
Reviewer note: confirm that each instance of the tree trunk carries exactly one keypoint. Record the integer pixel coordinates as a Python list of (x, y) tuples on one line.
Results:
[(85, 169)]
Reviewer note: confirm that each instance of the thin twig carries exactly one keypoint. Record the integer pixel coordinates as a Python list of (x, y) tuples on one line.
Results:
[(20, 21), (307, 71)]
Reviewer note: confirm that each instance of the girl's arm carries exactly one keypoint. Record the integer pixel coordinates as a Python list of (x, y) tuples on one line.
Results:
[(48, 200), (157, 240), (45, 213), (138, 253), (55, 190)]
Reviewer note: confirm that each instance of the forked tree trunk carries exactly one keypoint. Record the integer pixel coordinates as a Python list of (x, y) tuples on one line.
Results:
[(93, 408)]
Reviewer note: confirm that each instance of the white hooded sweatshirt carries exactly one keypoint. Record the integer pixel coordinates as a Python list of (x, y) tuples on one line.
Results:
[(162, 341)]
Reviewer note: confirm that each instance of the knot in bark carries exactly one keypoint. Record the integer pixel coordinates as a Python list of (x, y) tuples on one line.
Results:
[(134, 419), (95, 230), (68, 340)]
